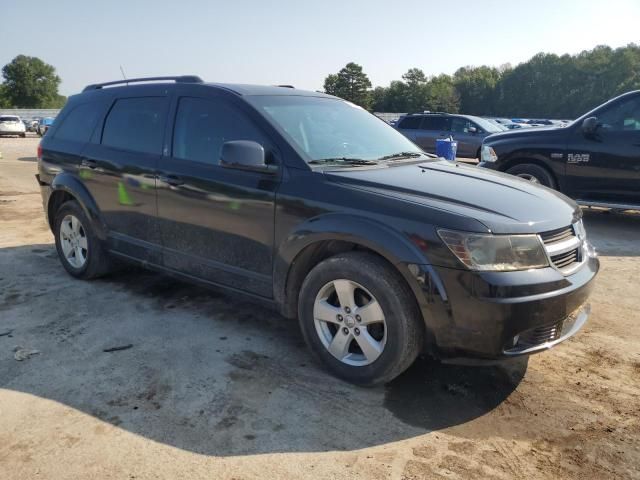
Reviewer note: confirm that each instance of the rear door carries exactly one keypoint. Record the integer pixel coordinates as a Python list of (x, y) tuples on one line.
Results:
[(119, 170), (409, 126), (432, 128), (605, 166), (217, 223)]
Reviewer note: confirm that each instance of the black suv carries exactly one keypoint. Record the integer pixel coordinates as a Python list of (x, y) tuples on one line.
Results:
[(595, 159), (311, 204)]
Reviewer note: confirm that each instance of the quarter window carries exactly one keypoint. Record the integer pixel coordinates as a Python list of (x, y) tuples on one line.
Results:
[(203, 125), (78, 125), (136, 124)]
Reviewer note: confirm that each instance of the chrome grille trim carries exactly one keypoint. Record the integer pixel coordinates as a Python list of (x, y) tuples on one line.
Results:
[(564, 249)]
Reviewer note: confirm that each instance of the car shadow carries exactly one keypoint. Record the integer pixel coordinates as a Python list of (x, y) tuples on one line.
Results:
[(207, 372), (28, 159)]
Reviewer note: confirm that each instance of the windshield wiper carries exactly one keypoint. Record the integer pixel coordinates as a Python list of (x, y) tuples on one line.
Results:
[(347, 160), (399, 155)]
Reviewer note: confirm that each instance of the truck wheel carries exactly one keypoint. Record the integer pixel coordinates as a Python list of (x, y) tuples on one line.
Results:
[(533, 173), (79, 250), (359, 318)]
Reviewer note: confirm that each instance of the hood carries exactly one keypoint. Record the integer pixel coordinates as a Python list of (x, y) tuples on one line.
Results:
[(520, 133), (502, 202)]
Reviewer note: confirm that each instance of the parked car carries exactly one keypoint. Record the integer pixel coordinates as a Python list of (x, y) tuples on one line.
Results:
[(595, 159), (310, 204), (425, 128), (44, 125), (11, 125)]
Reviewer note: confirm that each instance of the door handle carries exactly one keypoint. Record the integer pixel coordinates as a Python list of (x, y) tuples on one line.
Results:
[(171, 180), (87, 162)]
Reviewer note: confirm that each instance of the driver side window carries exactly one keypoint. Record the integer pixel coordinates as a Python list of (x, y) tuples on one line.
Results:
[(623, 117)]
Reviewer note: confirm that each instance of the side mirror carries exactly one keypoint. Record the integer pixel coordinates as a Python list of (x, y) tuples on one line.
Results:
[(245, 155), (473, 130), (590, 125)]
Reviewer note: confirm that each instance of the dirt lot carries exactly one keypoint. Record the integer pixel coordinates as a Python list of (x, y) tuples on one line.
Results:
[(215, 387)]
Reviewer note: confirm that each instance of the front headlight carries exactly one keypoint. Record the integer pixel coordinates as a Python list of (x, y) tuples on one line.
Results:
[(500, 253), (488, 154)]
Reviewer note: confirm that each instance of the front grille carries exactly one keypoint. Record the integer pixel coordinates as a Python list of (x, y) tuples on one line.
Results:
[(566, 259), (540, 335), (557, 235), (563, 247)]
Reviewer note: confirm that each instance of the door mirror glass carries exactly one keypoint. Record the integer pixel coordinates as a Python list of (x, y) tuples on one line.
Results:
[(244, 155), (589, 125)]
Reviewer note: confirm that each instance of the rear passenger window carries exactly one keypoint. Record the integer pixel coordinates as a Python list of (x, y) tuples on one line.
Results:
[(203, 125), (410, 123), (136, 124), (434, 123), (78, 125)]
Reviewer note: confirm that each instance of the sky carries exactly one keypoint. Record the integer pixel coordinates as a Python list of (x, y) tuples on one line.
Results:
[(297, 42)]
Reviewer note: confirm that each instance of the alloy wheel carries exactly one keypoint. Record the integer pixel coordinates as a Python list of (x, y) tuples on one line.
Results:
[(350, 322), (73, 241)]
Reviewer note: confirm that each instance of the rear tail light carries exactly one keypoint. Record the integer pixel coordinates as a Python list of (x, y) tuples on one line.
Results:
[(39, 152)]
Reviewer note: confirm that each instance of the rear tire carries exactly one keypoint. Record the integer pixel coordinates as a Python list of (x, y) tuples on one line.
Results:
[(79, 249), (378, 333), (533, 173)]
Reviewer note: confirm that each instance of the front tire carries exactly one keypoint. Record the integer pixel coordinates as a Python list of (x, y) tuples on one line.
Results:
[(534, 174), (79, 249), (360, 319)]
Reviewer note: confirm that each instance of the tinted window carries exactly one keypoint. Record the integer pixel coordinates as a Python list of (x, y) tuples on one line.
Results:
[(79, 124), (136, 124), (410, 123), (435, 123), (202, 126), (624, 116), (460, 125)]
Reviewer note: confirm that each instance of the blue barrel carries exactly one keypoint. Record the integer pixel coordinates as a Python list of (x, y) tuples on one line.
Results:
[(446, 148)]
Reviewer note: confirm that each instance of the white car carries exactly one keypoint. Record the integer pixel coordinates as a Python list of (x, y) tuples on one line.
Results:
[(12, 125)]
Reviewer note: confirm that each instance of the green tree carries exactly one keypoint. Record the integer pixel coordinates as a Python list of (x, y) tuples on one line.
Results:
[(350, 83), (31, 83), (476, 87), (442, 95), (417, 94)]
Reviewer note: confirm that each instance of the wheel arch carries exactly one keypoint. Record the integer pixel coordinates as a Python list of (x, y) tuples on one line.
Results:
[(523, 160), (323, 237), (65, 187)]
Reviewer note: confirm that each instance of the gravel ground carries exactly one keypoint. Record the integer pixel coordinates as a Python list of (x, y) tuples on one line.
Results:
[(213, 387)]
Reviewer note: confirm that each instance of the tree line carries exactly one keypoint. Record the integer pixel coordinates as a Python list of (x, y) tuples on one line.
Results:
[(28, 82), (546, 86)]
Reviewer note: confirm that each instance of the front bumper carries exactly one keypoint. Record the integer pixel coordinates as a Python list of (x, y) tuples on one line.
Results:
[(494, 315)]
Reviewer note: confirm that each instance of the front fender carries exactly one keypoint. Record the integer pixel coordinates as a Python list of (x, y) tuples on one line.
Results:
[(396, 248), (70, 184)]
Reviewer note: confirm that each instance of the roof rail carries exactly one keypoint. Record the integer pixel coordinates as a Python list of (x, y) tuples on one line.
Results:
[(177, 79)]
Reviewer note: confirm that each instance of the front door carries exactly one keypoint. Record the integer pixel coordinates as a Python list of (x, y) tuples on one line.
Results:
[(604, 166), (468, 142), (217, 223)]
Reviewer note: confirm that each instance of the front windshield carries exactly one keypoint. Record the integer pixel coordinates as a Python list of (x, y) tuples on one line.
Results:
[(488, 126), (327, 128)]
